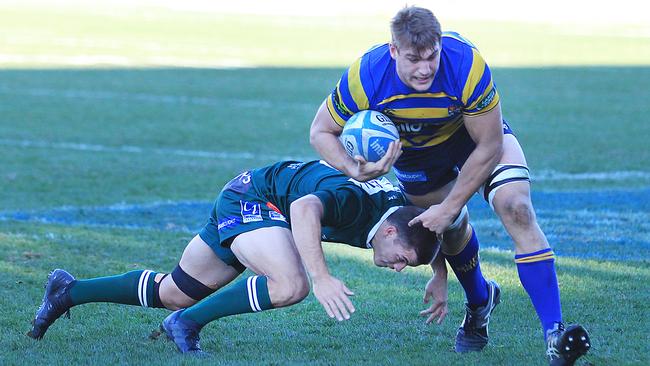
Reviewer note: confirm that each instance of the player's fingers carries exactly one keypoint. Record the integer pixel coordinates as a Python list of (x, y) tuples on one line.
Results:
[(341, 311), (335, 310), (431, 318), (442, 316), (415, 220), (360, 159), (429, 310), (348, 304), (327, 308), (347, 291), (427, 296)]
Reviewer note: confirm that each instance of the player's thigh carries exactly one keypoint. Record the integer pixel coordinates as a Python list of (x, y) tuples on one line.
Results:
[(431, 198), (271, 252), (512, 151), (202, 263)]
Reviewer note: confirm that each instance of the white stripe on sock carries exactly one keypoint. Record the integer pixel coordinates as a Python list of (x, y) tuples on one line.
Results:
[(248, 291), (257, 304), (144, 288), (140, 287)]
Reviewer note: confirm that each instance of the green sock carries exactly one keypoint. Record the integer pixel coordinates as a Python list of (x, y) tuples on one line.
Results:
[(246, 296), (131, 288)]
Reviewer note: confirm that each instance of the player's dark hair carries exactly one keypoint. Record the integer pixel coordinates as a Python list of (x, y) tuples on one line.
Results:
[(424, 241), (415, 27)]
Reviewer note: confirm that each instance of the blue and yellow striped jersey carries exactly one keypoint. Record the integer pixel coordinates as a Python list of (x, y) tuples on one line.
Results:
[(463, 85)]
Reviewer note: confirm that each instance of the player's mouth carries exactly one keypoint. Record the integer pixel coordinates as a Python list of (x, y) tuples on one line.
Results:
[(422, 80)]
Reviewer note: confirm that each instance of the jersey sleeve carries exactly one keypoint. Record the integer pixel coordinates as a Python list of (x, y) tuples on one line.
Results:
[(341, 207), (479, 94), (351, 93)]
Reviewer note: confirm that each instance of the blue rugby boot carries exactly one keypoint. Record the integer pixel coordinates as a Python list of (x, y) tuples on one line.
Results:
[(183, 332), (472, 335), (56, 302), (564, 347)]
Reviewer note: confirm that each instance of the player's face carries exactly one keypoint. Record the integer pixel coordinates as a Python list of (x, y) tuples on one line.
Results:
[(416, 69), (390, 253)]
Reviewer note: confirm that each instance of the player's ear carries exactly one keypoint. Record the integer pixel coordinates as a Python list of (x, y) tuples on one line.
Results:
[(390, 231), (393, 50)]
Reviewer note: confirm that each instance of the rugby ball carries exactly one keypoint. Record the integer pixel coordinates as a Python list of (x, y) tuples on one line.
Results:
[(368, 133)]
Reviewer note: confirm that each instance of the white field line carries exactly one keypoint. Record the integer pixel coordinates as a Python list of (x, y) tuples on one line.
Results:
[(153, 98), (544, 175), (226, 155)]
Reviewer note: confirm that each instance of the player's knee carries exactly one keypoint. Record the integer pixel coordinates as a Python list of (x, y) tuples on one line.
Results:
[(455, 237), (289, 290), (517, 210), (180, 290)]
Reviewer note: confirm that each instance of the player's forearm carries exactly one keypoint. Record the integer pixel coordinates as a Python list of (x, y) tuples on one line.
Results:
[(439, 266), (475, 171), (330, 149), (324, 137), (306, 215)]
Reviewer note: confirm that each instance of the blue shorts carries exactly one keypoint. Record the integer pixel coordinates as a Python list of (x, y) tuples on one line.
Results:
[(422, 171), (238, 209)]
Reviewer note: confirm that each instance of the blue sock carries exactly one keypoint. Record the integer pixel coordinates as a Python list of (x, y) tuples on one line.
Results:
[(537, 275), (467, 268)]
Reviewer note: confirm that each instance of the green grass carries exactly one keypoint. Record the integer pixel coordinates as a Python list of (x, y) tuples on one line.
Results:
[(79, 78), (385, 329)]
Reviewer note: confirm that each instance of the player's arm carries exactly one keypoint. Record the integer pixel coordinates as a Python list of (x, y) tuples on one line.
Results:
[(487, 132), (306, 214), (435, 292), (324, 137)]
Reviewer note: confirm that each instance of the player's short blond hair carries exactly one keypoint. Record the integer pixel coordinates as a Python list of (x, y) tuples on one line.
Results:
[(415, 27)]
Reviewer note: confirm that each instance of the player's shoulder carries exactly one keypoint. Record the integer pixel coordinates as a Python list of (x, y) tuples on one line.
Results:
[(376, 59), (457, 48)]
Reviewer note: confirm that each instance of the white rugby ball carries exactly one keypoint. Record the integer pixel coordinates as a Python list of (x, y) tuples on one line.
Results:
[(368, 133)]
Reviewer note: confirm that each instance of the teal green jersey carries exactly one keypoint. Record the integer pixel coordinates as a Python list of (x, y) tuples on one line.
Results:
[(352, 210)]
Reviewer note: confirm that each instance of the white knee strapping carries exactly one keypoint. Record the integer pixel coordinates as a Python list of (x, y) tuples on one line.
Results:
[(503, 174), (459, 219)]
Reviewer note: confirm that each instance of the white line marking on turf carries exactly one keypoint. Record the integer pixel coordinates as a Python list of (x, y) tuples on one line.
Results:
[(144, 150), (154, 98), (544, 175)]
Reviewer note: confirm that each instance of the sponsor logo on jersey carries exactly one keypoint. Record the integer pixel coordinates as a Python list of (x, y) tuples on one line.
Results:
[(275, 213), (418, 176), (339, 105), (295, 166), (277, 216), (375, 185), (409, 127), (250, 211), (227, 223), (487, 100), (453, 109)]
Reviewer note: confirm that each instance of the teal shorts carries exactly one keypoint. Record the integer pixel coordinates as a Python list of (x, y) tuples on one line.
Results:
[(238, 209)]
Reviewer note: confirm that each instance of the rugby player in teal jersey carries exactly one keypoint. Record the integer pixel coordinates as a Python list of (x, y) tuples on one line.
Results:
[(250, 226), (438, 90)]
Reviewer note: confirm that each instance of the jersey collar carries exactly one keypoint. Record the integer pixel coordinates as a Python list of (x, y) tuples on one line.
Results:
[(374, 229)]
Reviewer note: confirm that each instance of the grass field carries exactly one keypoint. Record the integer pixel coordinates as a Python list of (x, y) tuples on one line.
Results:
[(117, 130)]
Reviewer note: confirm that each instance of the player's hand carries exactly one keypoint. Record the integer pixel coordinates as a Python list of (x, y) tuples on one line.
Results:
[(436, 218), (436, 293), (364, 170), (334, 296)]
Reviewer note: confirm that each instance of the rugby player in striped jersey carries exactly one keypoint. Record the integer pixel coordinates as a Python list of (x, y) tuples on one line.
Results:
[(438, 90)]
